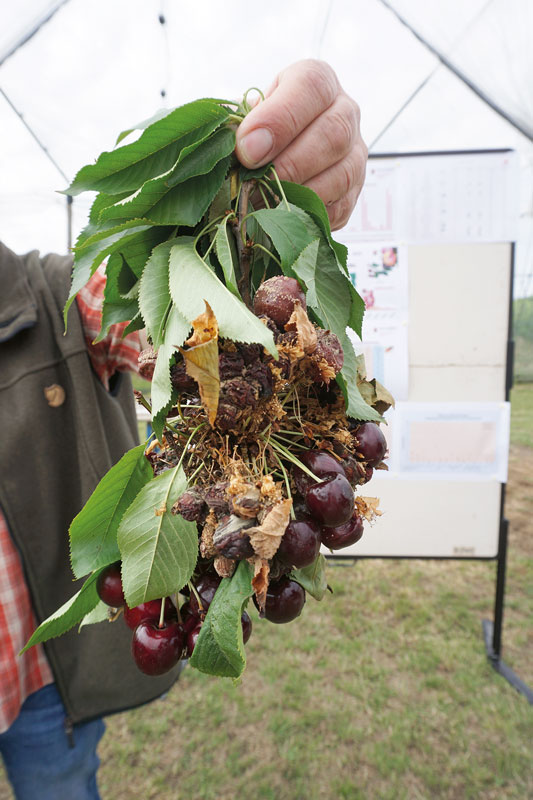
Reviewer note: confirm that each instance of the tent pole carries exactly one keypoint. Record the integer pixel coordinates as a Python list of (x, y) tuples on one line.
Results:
[(525, 131)]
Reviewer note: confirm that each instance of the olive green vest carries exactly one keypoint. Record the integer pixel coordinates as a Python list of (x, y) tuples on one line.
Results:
[(55, 445)]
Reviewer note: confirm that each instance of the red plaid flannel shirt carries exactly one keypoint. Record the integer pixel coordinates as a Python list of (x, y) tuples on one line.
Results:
[(22, 675)]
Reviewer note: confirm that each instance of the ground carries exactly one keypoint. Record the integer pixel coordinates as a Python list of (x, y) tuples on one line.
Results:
[(381, 691)]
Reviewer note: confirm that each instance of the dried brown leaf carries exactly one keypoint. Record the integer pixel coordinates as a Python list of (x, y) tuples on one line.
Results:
[(265, 538), (260, 581), (201, 363), (305, 330), (204, 328), (367, 507)]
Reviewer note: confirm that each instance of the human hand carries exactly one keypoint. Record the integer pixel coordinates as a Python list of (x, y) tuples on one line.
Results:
[(309, 127)]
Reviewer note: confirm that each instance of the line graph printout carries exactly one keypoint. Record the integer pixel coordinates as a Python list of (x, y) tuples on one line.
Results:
[(469, 441), (376, 215)]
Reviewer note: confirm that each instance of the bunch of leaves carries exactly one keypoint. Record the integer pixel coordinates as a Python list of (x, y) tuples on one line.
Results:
[(179, 224)]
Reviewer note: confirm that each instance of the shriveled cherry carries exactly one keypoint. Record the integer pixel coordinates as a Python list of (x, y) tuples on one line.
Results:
[(320, 463), (156, 649), (109, 586), (331, 502), (343, 535), (276, 298), (300, 544), (371, 444), (150, 610)]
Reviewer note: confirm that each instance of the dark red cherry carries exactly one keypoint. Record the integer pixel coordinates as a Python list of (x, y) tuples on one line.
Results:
[(275, 298), (246, 623), (343, 535), (206, 587), (370, 443), (155, 650), (320, 463), (300, 544), (188, 619), (284, 601), (109, 586), (331, 502), (150, 610), (192, 638)]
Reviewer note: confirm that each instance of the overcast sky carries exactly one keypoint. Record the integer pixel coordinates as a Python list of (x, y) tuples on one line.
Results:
[(98, 67)]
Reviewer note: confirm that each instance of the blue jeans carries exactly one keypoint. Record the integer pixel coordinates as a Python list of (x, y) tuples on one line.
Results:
[(39, 759)]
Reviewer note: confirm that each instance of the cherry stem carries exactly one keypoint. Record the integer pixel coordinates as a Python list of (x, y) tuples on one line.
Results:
[(162, 613), (242, 249), (280, 187), (287, 483), (192, 587), (289, 456)]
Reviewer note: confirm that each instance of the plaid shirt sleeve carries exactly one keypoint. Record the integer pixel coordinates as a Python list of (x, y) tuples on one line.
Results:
[(115, 353), (20, 676)]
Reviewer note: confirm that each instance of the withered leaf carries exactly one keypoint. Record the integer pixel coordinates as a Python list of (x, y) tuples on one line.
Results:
[(201, 363), (305, 330), (260, 581), (204, 328), (265, 538), (368, 508)]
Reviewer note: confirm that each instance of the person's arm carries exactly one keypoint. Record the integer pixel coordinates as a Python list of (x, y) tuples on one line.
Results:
[(309, 127)]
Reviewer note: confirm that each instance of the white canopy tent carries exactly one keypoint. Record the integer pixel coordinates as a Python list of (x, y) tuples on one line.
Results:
[(73, 74)]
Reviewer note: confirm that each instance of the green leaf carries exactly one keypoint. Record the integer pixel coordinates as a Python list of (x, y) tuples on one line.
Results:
[(102, 201), (159, 549), (93, 532), (141, 126), (219, 649), (309, 201), (176, 331), (152, 154), (192, 282), (356, 407), (313, 577), (221, 202), (68, 615), (251, 174), (288, 233), (86, 263), (160, 201), (154, 293), (100, 613), (225, 247)]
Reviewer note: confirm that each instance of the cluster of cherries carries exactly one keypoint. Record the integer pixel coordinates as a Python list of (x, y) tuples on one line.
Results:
[(325, 515), (160, 639)]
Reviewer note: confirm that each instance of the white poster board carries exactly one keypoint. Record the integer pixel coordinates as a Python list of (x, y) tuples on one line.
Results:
[(453, 216)]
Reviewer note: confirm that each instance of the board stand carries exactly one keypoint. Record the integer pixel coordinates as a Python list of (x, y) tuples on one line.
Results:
[(492, 631)]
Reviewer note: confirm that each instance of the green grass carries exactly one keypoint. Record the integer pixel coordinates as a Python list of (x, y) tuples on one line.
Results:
[(381, 691), (522, 414)]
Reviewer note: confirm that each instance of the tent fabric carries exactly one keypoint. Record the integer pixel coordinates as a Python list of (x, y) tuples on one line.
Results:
[(94, 68)]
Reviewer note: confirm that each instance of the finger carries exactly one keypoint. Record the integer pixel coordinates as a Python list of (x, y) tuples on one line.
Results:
[(340, 212), (343, 178), (303, 91), (328, 140)]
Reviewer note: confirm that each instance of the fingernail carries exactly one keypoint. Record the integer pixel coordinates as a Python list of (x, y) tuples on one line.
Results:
[(257, 145)]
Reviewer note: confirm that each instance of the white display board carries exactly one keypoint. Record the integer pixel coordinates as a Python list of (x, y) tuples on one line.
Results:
[(437, 336)]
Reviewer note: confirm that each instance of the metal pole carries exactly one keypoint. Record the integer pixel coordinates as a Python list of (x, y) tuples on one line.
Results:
[(69, 222)]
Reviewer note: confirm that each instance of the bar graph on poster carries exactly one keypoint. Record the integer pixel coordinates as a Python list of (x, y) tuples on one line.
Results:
[(430, 250)]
